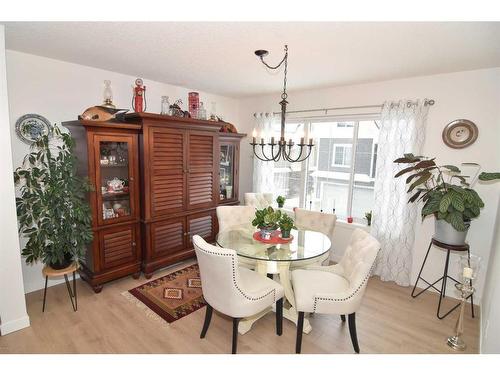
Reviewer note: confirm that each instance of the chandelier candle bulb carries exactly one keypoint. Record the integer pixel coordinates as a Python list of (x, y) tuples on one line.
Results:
[(468, 273), (254, 135), (272, 140), (310, 141)]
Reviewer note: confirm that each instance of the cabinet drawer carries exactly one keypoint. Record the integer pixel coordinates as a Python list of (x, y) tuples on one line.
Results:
[(118, 245)]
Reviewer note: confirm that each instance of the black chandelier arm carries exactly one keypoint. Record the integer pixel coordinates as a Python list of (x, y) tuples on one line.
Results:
[(264, 157), (299, 158), (278, 154)]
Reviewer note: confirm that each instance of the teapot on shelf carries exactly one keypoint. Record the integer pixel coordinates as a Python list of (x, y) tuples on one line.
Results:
[(115, 185)]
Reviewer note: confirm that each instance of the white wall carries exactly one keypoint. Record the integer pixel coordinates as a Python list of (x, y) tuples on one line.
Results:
[(13, 314), (60, 91), (490, 324), (473, 95)]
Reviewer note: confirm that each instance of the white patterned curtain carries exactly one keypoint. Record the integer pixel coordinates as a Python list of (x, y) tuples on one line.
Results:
[(402, 130), (263, 171)]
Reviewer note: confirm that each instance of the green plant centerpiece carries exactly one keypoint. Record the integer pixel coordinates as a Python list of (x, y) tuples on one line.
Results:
[(286, 224), (266, 220), (52, 210), (281, 201), (446, 194)]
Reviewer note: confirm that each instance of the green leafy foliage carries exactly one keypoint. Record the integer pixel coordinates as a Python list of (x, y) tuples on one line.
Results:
[(456, 204), (280, 200), (286, 223), (267, 218), (52, 210)]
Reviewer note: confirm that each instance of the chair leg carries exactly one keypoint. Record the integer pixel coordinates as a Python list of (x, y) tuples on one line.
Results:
[(352, 331), (279, 316), (300, 327), (206, 324), (342, 317), (236, 321)]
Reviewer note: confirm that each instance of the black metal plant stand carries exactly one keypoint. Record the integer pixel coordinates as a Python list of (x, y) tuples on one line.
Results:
[(71, 291), (444, 278)]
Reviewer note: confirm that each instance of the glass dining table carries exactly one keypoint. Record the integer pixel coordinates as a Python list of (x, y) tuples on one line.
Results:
[(306, 248)]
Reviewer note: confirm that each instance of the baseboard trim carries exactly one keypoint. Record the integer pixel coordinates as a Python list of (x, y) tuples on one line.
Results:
[(14, 325)]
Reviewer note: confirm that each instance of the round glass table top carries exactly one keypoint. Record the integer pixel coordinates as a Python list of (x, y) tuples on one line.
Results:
[(306, 244)]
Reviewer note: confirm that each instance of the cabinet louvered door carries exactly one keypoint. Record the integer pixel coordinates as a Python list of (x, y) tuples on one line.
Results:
[(168, 236), (203, 224), (168, 179), (201, 167), (118, 245)]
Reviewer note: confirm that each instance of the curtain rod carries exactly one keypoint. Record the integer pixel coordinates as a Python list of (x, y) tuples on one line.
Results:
[(408, 103)]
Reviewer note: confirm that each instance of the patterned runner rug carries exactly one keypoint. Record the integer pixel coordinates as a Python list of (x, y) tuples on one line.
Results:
[(172, 296)]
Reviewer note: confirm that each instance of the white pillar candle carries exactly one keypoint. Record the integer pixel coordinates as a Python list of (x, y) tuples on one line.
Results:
[(467, 273)]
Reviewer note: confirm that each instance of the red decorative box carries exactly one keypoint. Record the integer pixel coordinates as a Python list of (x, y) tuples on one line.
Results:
[(275, 238)]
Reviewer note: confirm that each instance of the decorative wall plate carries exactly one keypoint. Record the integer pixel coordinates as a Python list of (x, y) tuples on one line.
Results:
[(460, 133), (31, 127)]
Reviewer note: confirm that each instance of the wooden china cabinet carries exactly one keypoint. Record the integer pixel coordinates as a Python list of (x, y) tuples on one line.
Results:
[(158, 181), (229, 161), (108, 154)]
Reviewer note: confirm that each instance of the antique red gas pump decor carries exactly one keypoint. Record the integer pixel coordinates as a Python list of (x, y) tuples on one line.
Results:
[(139, 98)]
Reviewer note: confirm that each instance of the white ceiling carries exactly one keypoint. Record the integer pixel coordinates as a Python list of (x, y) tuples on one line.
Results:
[(218, 57)]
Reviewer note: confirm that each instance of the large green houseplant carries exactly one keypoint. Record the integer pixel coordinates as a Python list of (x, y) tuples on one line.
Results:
[(52, 210), (446, 194)]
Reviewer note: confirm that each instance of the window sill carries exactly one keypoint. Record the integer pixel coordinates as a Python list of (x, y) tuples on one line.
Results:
[(345, 224)]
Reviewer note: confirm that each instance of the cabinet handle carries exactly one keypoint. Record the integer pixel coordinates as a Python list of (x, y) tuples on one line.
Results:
[(131, 179), (134, 244)]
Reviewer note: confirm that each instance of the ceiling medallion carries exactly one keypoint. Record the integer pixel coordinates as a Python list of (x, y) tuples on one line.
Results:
[(281, 149)]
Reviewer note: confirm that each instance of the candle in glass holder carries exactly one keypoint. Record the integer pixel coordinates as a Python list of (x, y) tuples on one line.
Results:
[(468, 272)]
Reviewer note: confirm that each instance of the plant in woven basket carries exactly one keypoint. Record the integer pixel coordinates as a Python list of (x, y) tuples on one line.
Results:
[(267, 218), (444, 190), (52, 210)]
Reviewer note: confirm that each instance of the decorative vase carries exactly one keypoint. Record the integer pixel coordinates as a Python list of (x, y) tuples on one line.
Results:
[(68, 259), (444, 232), (265, 233)]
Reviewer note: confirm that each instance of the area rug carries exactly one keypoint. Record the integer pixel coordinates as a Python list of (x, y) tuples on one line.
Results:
[(172, 296)]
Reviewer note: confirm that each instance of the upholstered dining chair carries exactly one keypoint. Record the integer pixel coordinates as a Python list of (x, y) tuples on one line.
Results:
[(234, 291), (317, 221), (235, 216), (336, 289), (259, 200)]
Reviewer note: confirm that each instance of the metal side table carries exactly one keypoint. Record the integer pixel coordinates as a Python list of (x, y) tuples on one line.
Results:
[(50, 272), (444, 278)]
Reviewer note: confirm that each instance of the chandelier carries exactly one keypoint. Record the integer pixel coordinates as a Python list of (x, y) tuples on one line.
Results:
[(281, 149)]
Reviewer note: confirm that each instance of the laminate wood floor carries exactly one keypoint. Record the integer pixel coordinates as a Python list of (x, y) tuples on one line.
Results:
[(389, 321)]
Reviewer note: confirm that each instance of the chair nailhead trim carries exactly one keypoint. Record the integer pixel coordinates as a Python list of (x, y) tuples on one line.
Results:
[(316, 299), (273, 291)]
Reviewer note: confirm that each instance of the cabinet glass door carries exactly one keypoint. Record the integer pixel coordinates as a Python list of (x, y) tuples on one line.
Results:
[(226, 171), (114, 174)]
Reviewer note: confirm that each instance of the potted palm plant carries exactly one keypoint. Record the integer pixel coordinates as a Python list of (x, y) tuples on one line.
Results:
[(52, 210), (266, 220), (286, 224), (446, 194)]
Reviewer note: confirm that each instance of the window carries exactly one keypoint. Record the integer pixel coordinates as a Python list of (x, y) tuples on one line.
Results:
[(342, 155), (339, 174)]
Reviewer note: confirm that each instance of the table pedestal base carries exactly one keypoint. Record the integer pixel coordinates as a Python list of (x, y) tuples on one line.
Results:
[(283, 269)]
